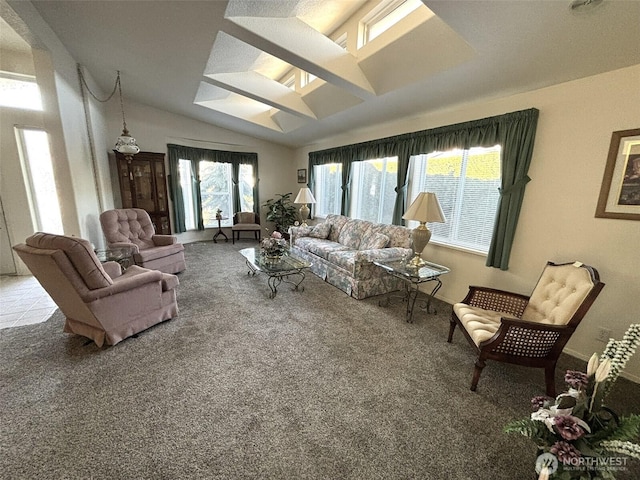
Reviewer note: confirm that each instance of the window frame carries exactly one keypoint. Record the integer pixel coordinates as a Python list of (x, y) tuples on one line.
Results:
[(30, 80), (318, 189), (357, 187), (188, 196), (418, 183)]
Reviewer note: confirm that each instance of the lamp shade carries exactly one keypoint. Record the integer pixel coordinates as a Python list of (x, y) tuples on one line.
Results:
[(126, 144), (425, 208), (305, 196)]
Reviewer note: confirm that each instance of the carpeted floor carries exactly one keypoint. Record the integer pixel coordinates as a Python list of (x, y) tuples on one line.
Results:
[(310, 385)]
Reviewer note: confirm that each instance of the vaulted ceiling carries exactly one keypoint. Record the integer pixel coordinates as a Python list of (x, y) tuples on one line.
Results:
[(221, 62)]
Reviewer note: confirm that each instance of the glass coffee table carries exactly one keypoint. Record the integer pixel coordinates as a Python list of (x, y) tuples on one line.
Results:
[(413, 277), (122, 255), (289, 269)]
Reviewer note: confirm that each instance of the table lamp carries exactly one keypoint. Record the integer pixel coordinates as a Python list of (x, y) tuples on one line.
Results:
[(304, 196), (425, 208)]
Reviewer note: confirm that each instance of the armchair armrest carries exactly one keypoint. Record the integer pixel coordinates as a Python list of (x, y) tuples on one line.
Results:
[(496, 300), (389, 253), (163, 240), (527, 339), (130, 245), (133, 278), (297, 232), (113, 269)]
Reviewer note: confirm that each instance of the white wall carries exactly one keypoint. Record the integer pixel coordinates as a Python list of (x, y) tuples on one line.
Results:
[(557, 221), (64, 120), (153, 129)]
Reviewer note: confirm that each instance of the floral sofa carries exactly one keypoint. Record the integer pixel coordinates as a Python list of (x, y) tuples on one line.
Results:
[(341, 251)]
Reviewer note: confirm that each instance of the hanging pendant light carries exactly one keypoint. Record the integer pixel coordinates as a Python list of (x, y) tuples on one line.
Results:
[(125, 143)]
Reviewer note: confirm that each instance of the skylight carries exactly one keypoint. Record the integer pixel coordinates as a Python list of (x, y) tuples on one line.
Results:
[(383, 17)]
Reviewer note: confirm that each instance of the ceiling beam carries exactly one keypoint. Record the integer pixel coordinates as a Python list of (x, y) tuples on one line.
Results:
[(258, 87), (295, 42)]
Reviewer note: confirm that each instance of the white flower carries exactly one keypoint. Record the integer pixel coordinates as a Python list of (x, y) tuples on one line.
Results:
[(603, 370), (592, 366), (545, 416)]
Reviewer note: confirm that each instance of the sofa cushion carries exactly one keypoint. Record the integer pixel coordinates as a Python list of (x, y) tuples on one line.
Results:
[(353, 232), (336, 222), (321, 230), (559, 293), (319, 247), (479, 323), (374, 240)]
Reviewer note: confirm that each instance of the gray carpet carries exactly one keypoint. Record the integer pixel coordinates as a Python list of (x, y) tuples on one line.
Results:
[(311, 384)]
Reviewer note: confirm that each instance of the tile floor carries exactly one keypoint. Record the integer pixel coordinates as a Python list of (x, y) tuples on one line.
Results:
[(23, 301)]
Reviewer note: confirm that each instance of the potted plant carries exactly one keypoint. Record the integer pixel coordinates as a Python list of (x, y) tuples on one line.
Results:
[(282, 212), (577, 434)]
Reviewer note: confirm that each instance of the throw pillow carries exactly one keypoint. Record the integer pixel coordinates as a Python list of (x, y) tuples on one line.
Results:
[(374, 241), (321, 230)]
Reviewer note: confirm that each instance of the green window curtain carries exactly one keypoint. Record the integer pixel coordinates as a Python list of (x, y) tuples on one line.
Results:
[(235, 180), (175, 190), (516, 136), (195, 156), (515, 132)]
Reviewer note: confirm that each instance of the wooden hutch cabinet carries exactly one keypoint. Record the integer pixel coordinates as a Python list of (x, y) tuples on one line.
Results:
[(143, 184)]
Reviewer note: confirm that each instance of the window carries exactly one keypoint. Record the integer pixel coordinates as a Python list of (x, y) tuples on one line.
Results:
[(19, 91), (466, 183), (373, 189), (306, 78), (290, 81), (38, 171), (328, 189), (383, 17), (342, 41), (216, 191)]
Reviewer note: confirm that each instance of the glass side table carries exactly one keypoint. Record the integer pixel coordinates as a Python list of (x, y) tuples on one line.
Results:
[(413, 277), (122, 255)]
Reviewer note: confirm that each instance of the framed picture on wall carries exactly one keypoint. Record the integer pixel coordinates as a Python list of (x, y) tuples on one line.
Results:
[(620, 191), (302, 175)]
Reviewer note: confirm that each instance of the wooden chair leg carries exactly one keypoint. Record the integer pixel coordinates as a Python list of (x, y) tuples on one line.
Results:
[(476, 374), (452, 327), (550, 380)]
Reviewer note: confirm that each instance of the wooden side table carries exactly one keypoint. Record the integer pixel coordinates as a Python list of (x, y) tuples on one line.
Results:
[(220, 232)]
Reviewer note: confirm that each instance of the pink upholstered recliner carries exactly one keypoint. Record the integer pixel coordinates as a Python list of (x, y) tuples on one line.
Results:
[(99, 301), (126, 227)]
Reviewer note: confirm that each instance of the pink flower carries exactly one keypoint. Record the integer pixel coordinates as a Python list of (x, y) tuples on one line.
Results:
[(539, 402), (276, 235), (576, 379), (565, 452), (569, 427)]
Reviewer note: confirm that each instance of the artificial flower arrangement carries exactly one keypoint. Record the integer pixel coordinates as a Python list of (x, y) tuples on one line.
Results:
[(274, 245), (577, 434)]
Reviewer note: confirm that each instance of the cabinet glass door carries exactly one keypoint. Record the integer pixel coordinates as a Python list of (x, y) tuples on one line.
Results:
[(125, 185), (161, 187), (143, 185)]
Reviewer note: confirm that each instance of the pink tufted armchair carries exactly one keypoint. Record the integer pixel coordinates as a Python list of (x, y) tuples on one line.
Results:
[(530, 331), (126, 227), (98, 300)]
